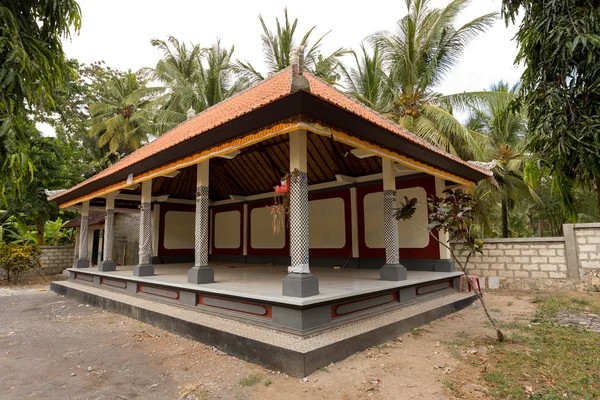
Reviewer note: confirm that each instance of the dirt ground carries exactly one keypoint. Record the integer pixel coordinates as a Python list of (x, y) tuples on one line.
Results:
[(55, 348)]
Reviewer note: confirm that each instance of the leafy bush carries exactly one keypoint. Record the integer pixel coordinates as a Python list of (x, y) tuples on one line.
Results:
[(17, 258)]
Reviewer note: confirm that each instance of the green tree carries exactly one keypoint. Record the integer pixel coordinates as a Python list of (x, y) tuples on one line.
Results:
[(418, 55), (505, 128), (559, 44), (53, 161), (193, 77), (124, 119), (32, 64), (367, 81), (277, 48)]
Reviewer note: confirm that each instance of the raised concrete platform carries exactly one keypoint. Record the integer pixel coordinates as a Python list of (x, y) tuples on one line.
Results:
[(296, 355), (253, 294)]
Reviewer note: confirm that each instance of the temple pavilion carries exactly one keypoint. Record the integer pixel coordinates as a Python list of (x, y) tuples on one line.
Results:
[(214, 236)]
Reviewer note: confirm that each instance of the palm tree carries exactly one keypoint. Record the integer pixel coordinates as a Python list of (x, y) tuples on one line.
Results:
[(506, 129), (193, 77), (418, 56), (123, 121), (277, 49), (367, 82)]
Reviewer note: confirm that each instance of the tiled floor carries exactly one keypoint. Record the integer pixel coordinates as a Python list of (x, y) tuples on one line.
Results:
[(262, 282)]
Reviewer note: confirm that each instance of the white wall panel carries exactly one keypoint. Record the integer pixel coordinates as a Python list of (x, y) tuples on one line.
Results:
[(227, 230), (261, 230), (179, 230), (327, 223)]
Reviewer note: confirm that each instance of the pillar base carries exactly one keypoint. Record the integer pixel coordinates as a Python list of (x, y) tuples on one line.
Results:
[(392, 272), (199, 275), (82, 263), (300, 285), (143, 270), (107, 266)]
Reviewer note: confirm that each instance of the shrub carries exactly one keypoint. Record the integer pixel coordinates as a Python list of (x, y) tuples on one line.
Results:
[(18, 258)]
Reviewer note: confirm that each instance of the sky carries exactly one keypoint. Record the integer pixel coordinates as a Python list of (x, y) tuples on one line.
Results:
[(119, 32)]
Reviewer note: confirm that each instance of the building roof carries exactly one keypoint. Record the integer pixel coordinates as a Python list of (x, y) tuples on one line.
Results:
[(245, 103), (95, 218)]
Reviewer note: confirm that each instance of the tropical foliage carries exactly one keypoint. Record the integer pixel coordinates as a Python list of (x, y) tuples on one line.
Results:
[(560, 48), (417, 57), (32, 65), (194, 78), (124, 119), (277, 49), (505, 128), (16, 258)]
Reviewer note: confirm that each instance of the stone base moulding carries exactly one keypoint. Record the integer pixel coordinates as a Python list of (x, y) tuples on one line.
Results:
[(295, 355), (200, 275), (393, 272), (143, 270), (300, 285), (82, 263)]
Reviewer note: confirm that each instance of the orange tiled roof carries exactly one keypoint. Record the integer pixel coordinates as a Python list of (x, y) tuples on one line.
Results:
[(266, 92), (332, 95)]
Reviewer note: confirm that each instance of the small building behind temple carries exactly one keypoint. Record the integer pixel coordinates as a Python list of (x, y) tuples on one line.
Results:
[(274, 208), (125, 244)]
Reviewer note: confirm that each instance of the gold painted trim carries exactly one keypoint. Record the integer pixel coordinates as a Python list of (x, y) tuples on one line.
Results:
[(355, 142), (206, 154), (261, 135)]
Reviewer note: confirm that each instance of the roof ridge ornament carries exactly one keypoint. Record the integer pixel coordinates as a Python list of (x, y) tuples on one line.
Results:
[(299, 81), (52, 193), (190, 113), (486, 165)]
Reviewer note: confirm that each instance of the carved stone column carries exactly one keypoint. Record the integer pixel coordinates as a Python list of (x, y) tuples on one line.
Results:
[(201, 272), (392, 270), (83, 261), (145, 267), (107, 263), (299, 282)]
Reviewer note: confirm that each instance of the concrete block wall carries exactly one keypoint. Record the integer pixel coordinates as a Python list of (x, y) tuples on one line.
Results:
[(572, 260), (521, 258), (55, 259), (587, 242)]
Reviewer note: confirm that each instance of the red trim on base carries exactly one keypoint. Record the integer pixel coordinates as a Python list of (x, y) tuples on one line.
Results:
[(431, 284), (140, 289), (334, 307), (79, 276), (268, 309), (103, 282)]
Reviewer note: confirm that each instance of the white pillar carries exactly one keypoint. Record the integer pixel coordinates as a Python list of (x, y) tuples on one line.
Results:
[(245, 231), (299, 282), (201, 272), (83, 261), (354, 221), (392, 270), (145, 267), (107, 263), (155, 229), (440, 186), (445, 263)]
